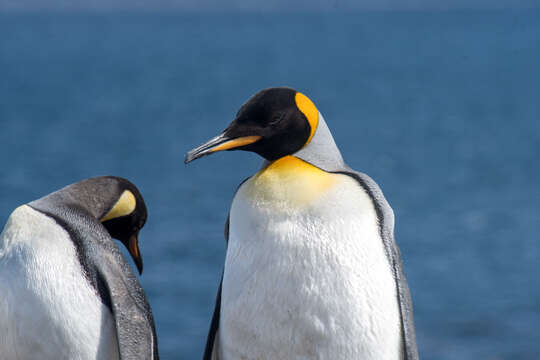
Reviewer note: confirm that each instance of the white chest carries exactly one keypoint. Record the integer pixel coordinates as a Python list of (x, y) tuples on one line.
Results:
[(47, 307), (306, 277)]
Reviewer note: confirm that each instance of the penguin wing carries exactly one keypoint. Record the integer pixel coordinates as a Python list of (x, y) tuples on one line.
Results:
[(119, 287), (386, 223), (211, 340), (210, 351)]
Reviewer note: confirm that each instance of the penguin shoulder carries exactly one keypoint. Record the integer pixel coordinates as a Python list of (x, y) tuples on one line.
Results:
[(34, 249), (28, 232)]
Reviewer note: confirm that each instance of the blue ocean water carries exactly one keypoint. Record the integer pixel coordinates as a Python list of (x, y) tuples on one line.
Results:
[(442, 109)]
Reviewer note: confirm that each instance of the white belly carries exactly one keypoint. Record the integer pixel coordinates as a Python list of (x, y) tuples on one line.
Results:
[(47, 308), (307, 279)]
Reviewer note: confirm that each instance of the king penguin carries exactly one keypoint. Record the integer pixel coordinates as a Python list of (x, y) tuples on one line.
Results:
[(312, 270), (66, 291)]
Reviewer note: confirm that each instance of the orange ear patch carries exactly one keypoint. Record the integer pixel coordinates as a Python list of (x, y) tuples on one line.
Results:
[(124, 206), (307, 107)]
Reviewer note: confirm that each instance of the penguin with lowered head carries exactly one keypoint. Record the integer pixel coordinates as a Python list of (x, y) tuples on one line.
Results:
[(66, 290)]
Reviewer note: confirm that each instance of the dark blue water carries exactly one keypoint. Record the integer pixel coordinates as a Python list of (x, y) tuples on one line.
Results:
[(441, 109)]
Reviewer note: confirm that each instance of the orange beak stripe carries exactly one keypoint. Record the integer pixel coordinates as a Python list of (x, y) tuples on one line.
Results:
[(134, 247), (234, 143)]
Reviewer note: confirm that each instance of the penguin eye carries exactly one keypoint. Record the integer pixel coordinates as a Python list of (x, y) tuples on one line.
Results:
[(277, 119)]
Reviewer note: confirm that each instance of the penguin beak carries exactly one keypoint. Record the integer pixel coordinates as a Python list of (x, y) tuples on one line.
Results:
[(133, 248), (219, 143)]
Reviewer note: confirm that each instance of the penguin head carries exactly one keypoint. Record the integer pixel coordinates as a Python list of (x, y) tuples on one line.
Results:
[(125, 218), (273, 123), (112, 201)]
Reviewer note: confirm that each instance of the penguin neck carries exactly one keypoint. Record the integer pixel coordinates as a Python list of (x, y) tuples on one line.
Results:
[(79, 197), (321, 151)]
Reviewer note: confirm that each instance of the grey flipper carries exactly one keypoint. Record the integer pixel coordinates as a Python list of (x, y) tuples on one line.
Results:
[(211, 340), (109, 273), (209, 353), (386, 224), (134, 322)]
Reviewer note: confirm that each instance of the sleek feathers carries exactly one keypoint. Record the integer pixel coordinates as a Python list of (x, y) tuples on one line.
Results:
[(311, 300), (312, 270), (67, 291)]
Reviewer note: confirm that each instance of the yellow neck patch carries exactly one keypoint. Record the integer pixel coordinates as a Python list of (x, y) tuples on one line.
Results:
[(124, 206), (307, 107), (290, 180)]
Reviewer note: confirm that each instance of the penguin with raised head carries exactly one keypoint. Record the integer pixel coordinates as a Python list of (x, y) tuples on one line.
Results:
[(312, 270), (66, 291)]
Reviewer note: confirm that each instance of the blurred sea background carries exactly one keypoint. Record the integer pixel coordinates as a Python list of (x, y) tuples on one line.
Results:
[(441, 108)]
